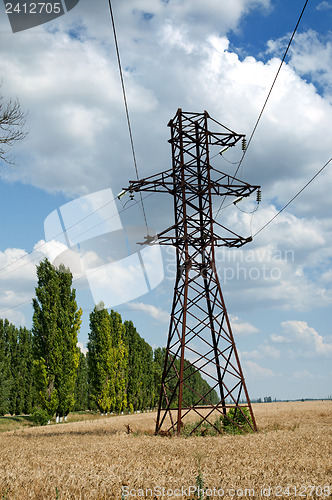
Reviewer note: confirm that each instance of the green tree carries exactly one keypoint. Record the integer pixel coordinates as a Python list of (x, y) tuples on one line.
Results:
[(119, 373), (11, 346), (5, 372), (141, 387), (56, 322), (195, 384), (99, 359), (25, 369), (69, 323), (107, 361), (21, 364), (81, 386)]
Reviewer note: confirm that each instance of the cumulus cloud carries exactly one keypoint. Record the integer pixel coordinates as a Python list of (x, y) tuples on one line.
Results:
[(18, 278), (152, 311), (253, 369), (178, 54), (303, 374), (263, 351), (324, 6), (305, 339), (242, 328), (82, 348), (310, 55)]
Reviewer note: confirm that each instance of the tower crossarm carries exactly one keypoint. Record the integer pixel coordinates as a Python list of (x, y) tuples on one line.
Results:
[(176, 241), (164, 183), (237, 190), (168, 237), (158, 183)]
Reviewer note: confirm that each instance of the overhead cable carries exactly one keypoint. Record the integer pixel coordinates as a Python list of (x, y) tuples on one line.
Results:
[(270, 91), (63, 232), (294, 197), (126, 108), (267, 98)]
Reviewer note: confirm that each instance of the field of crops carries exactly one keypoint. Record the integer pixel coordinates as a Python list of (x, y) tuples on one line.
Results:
[(118, 457)]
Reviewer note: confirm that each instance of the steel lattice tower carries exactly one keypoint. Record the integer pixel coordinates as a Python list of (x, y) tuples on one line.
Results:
[(200, 337)]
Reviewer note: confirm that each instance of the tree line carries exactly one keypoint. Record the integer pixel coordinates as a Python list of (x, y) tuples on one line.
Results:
[(44, 369)]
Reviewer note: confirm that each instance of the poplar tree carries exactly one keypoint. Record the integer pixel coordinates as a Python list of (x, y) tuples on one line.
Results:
[(56, 322), (21, 362), (69, 322), (141, 389), (81, 385), (11, 340), (24, 370), (119, 363), (100, 359), (5, 373), (107, 361)]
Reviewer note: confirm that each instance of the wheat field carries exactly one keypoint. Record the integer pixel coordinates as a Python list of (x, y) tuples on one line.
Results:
[(100, 459)]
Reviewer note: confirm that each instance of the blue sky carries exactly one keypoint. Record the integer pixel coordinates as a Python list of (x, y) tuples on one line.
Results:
[(218, 56)]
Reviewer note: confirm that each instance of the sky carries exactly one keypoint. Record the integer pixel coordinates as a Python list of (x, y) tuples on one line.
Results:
[(216, 56)]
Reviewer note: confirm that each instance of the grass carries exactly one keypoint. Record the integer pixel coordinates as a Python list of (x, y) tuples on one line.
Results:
[(11, 423), (96, 458), (16, 422)]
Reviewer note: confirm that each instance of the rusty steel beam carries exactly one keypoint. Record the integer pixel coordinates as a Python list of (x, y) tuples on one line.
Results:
[(199, 326)]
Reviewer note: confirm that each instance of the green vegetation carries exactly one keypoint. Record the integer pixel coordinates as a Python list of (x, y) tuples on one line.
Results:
[(56, 322), (39, 416), (14, 423), (196, 385), (107, 361), (44, 373), (16, 382), (237, 421)]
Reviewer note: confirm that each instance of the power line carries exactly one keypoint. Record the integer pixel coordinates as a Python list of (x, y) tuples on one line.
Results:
[(294, 197), (267, 98), (126, 108), (272, 86), (261, 229), (75, 280), (80, 234), (57, 236)]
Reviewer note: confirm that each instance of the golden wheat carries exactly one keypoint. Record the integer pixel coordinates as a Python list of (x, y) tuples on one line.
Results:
[(99, 459)]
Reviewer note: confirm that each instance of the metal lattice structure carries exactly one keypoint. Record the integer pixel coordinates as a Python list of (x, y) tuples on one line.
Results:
[(200, 337)]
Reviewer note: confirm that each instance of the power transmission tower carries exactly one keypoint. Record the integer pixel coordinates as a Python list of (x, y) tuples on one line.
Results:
[(200, 337)]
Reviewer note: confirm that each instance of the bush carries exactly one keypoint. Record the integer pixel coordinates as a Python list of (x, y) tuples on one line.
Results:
[(237, 421), (40, 416)]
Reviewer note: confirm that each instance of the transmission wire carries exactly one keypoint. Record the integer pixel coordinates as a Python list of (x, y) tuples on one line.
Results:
[(294, 197), (257, 232), (126, 108), (267, 98), (133, 152), (80, 234), (36, 258)]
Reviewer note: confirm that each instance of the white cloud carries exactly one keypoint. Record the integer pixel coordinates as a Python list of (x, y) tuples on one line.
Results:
[(262, 351), (253, 369), (308, 341), (286, 266), (303, 374), (324, 5), (242, 328), (150, 310), (82, 348), (311, 55)]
